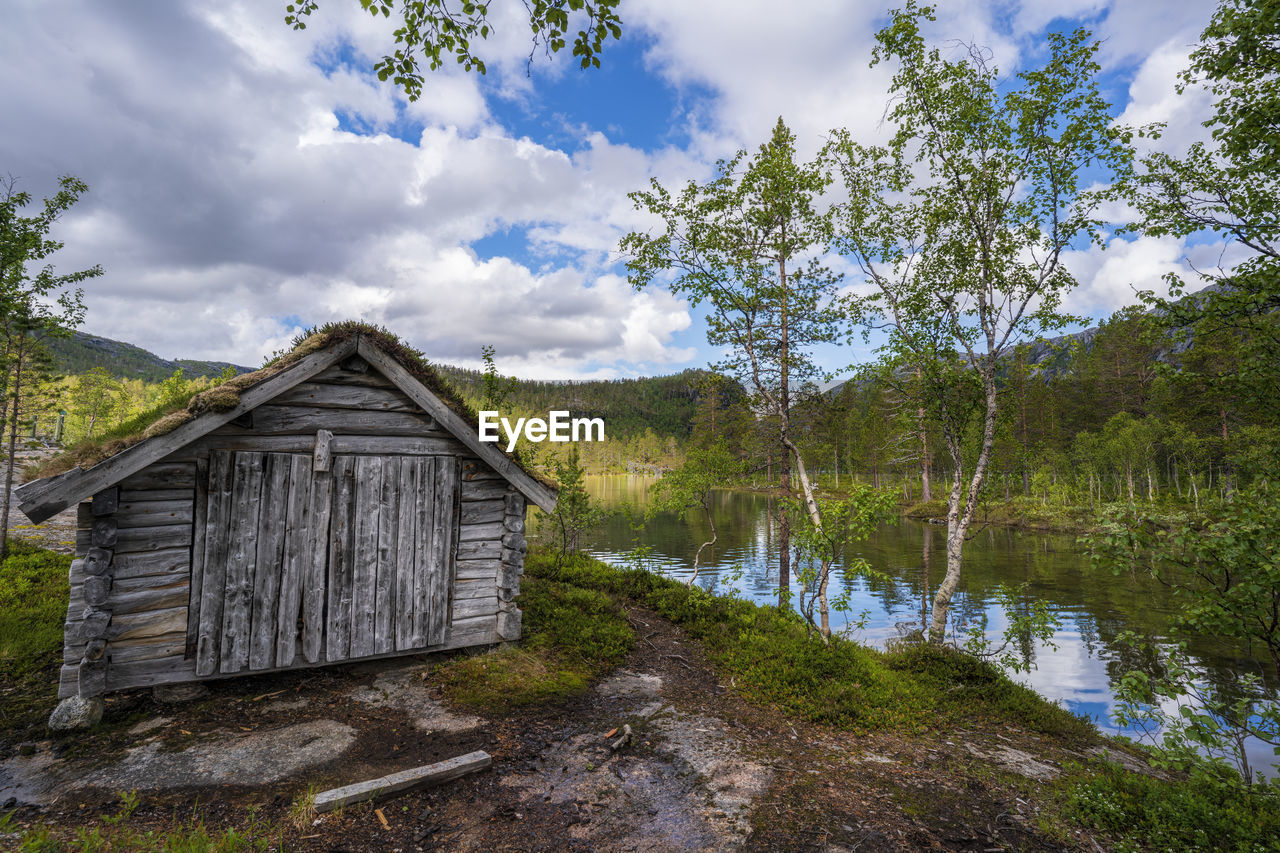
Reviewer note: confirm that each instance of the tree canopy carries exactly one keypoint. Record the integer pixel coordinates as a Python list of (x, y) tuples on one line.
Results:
[(431, 31)]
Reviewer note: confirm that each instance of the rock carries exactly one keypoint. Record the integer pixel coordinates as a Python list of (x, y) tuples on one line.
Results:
[(404, 689), (1015, 760), (229, 758), (75, 713), (172, 694), (149, 725)]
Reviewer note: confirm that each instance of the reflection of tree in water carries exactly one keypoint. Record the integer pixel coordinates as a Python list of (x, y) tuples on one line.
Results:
[(1097, 603)]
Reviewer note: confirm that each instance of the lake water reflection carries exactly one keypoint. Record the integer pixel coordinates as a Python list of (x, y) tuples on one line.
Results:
[(1094, 605)]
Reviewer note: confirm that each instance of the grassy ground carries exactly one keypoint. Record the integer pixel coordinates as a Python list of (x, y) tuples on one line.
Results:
[(577, 628), (33, 606)]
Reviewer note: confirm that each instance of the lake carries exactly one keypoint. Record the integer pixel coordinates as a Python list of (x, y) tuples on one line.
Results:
[(1094, 605)]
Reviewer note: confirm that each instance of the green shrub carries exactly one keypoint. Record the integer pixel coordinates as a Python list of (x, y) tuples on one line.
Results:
[(1200, 813), (964, 685), (33, 607)]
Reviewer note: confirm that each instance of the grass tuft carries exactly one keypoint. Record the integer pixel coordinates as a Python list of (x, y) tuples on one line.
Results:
[(571, 635)]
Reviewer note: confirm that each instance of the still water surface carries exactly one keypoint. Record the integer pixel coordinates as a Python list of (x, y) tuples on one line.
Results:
[(1093, 605)]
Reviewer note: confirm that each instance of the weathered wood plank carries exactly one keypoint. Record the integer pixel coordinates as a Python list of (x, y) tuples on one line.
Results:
[(68, 678), (148, 673), (340, 396), (322, 455), (462, 634), (246, 502), (443, 539), (468, 608), (483, 549), (133, 595), (405, 538), (223, 439), (213, 577), (146, 563), (423, 536), (365, 568), (472, 588), (150, 623), (479, 512), (135, 539), (170, 645), (155, 513), (476, 470), (477, 569), (483, 490), (384, 625), (463, 431), (337, 376), (297, 550), (268, 563), (125, 599), (341, 560), (271, 419), (200, 510), (124, 465), (431, 774), (136, 495), (488, 530), (176, 475), (316, 566), (432, 444)]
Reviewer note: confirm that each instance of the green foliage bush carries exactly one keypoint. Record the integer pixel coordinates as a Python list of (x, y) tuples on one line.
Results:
[(1201, 813), (33, 606)]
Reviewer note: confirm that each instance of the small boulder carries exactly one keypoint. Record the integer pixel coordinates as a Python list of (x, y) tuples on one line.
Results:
[(172, 694), (75, 713)]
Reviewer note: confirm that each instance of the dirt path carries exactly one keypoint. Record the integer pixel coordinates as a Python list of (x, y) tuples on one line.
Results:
[(705, 770)]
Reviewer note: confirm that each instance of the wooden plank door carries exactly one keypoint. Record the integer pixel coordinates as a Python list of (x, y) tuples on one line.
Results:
[(392, 541), (261, 528), (353, 562)]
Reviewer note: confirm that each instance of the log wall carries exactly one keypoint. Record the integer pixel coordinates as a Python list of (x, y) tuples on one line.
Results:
[(132, 615)]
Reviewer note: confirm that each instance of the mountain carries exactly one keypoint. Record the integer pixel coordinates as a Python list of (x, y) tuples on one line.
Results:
[(83, 352), (664, 404)]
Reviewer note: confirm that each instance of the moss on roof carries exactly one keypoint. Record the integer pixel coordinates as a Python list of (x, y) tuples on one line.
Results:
[(226, 396)]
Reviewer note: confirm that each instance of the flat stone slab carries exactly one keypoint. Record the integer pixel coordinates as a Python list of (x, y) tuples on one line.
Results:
[(405, 689), (1015, 760), (258, 758)]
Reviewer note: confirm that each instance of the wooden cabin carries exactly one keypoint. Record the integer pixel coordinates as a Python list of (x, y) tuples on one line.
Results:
[(331, 508)]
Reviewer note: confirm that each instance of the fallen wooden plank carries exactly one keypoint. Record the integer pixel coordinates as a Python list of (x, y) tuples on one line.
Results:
[(431, 774)]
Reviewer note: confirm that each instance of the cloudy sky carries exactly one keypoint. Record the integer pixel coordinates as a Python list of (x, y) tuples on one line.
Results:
[(247, 181)]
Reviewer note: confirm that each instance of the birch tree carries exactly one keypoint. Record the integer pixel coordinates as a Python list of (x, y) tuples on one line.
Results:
[(34, 304), (960, 223), (749, 244)]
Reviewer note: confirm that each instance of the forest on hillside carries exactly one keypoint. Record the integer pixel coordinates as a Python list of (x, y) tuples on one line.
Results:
[(1133, 409)]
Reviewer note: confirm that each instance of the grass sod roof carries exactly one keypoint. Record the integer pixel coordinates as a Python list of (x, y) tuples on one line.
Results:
[(226, 396)]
